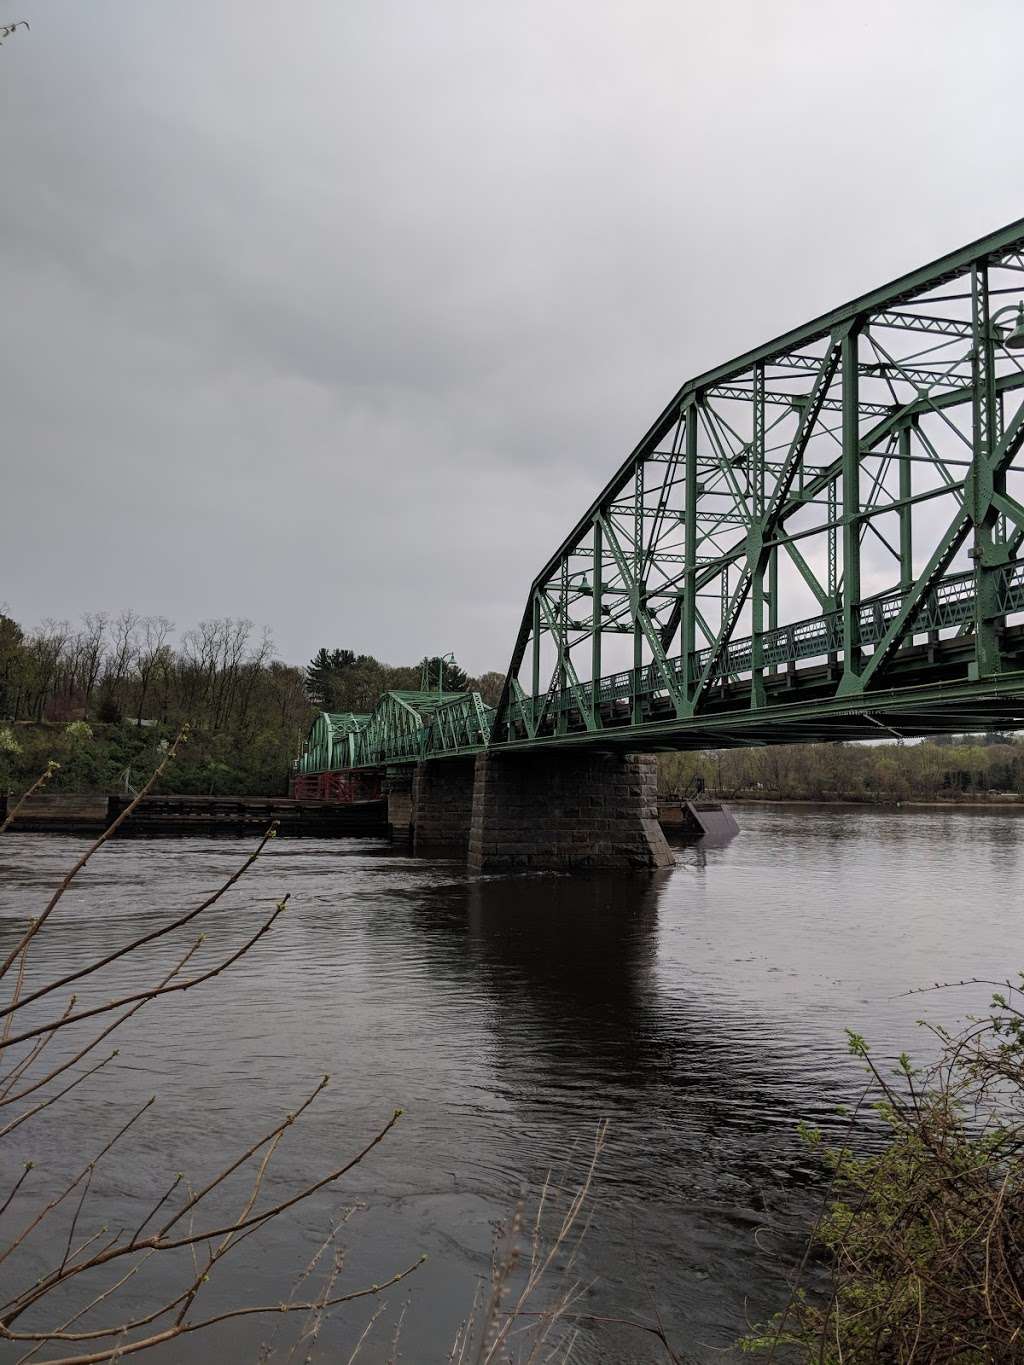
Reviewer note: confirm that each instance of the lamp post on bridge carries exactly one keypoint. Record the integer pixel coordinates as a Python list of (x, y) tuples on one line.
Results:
[(440, 660)]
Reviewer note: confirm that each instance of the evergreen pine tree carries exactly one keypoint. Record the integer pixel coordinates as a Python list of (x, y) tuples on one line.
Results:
[(323, 675)]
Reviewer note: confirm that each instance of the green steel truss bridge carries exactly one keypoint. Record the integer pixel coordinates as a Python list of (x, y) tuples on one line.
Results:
[(818, 540)]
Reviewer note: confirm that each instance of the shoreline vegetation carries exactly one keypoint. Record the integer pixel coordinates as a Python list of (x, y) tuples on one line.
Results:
[(920, 1233), (106, 698), (949, 770)]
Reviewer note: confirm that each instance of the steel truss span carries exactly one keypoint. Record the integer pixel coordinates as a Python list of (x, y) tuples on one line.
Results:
[(818, 540)]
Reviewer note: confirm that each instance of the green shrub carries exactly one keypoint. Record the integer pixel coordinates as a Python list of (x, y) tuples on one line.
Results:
[(925, 1238)]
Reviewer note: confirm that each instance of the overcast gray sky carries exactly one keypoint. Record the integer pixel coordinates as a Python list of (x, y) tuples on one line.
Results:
[(336, 315)]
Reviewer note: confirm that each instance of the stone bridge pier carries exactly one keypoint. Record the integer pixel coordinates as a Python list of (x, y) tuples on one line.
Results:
[(442, 805), (541, 811)]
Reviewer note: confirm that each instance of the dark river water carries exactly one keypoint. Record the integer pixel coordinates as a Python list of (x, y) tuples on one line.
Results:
[(701, 1012)]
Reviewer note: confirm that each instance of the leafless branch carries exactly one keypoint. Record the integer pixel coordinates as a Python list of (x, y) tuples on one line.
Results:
[(156, 991), (144, 939), (39, 783), (79, 1255), (37, 924), (183, 1328)]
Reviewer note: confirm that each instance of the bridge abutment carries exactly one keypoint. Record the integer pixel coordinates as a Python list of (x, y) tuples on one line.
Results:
[(442, 805), (566, 810)]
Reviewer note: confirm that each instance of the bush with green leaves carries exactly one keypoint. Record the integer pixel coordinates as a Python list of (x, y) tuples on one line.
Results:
[(925, 1236)]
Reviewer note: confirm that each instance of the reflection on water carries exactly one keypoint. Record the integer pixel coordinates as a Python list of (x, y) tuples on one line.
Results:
[(701, 1011)]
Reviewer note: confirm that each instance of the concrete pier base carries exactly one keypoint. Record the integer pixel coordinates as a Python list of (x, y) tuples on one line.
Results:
[(566, 810), (442, 805)]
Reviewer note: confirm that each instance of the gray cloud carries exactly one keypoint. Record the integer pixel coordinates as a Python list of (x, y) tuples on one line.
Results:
[(337, 316)]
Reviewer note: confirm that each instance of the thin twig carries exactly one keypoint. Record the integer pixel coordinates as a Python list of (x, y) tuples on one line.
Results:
[(94, 847)]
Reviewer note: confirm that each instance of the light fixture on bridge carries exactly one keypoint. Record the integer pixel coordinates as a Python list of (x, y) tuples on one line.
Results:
[(1015, 341)]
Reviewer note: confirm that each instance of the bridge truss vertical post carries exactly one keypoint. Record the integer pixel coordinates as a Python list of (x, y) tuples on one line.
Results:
[(773, 594), (986, 551), (535, 670), (905, 449), (561, 632), (832, 557), (638, 604), (906, 514), (689, 590), (851, 502), (597, 574), (757, 554)]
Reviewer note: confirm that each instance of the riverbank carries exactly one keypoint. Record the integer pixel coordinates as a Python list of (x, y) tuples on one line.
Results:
[(97, 758), (967, 769), (881, 803), (179, 816)]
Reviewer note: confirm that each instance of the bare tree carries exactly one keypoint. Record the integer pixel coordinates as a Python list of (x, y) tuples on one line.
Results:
[(48, 650), (12, 665), (90, 646), (256, 663), (151, 656), (120, 661)]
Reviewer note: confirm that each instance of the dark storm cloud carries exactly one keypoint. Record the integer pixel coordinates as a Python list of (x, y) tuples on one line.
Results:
[(336, 317)]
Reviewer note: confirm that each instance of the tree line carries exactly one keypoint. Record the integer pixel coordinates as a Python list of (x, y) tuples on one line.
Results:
[(947, 767), (102, 696), (220, 675)]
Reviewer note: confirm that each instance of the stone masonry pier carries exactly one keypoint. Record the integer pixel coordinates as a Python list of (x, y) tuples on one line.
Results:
[(442, 805), (538, 811), (566, 810)]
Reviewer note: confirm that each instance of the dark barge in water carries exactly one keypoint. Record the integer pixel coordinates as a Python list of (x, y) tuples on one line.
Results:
[(176, 816)]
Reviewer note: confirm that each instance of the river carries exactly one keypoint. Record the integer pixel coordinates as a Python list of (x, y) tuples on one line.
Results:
[(702, 1012)]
